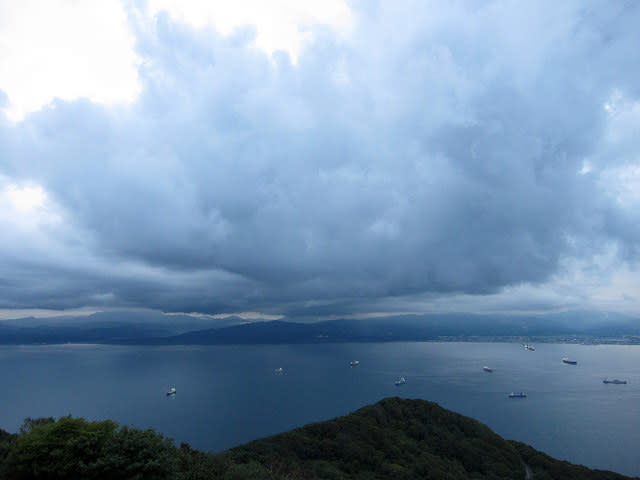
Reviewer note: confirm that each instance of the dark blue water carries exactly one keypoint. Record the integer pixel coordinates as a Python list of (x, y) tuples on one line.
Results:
[(230, 395)]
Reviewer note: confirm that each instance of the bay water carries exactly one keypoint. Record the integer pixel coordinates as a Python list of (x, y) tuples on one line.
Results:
[(229, 395)]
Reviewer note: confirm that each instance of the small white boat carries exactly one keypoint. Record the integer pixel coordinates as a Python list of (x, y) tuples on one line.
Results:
[(171, 391), (400, 381), (278, 371), (354, 363), (529, 347), (487, 369), (517, 395)]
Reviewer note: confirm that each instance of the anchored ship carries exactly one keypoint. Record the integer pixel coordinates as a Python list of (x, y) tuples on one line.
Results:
[(517, 395), (615, 381)]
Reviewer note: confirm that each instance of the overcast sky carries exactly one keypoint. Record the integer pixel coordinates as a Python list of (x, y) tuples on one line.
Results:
[(314, 159)]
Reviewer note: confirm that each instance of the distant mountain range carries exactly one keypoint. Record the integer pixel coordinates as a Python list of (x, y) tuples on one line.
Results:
[(105, 327), (155, 328)]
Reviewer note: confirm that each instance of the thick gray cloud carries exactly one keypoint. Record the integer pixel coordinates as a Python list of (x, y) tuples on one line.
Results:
[(437, 150)]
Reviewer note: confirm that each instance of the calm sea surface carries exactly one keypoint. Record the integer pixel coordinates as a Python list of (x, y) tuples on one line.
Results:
[(229, 395)]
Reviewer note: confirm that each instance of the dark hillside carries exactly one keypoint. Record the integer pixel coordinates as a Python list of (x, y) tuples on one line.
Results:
[(396, 438), (6, 440), (547, 468), (393, 439)]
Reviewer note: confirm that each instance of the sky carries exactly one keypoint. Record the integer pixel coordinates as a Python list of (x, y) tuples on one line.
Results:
[(321, 158)]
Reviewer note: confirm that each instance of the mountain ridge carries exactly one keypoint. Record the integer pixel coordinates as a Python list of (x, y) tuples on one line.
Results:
[(160, 329)]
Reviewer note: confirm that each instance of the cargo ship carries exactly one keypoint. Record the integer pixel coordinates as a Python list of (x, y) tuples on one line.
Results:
[(517, 395), (615, 381)]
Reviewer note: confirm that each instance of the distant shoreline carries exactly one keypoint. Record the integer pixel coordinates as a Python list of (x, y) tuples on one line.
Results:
[(577, 340)]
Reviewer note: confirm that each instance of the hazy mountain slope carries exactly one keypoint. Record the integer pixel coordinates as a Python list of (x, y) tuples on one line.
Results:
[(401, 328), (149, 327), (105, 327)]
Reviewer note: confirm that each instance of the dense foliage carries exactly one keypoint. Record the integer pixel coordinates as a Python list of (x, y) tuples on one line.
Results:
[(403, 439), (545, 467), (72, 448)]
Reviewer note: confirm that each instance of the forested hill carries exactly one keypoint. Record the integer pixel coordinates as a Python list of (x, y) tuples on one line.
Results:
[(401, 439), (393, 439)]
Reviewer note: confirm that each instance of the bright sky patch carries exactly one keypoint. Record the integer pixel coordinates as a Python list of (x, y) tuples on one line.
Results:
[(280, 24), (26, 198), (65, 49)]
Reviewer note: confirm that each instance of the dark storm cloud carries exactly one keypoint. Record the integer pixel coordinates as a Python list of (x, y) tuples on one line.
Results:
[(437, 150)]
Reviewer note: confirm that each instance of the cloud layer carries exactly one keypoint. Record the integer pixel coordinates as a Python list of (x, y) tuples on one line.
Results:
[(437, 150)]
